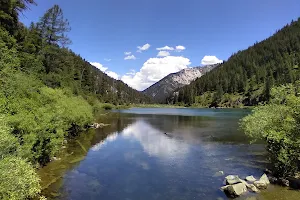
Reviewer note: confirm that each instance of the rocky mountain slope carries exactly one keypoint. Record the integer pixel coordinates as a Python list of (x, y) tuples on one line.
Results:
[(166, 86)]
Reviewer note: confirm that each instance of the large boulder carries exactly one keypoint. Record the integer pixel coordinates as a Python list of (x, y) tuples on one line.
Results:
[(250, 179), (232, 179), (263, 182), (236, 189)]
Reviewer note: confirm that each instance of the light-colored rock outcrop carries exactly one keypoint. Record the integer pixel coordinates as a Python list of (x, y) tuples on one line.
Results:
[(166, 86)]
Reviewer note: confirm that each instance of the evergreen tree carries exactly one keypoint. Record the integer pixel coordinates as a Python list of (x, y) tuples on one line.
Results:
[(54, 27)]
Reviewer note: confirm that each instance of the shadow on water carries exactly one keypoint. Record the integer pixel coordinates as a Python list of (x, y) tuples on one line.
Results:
[(157, 154)]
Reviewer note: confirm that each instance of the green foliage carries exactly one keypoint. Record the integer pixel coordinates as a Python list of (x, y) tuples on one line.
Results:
[(40, 116), (8, 143), (278, 124), (18, 180)]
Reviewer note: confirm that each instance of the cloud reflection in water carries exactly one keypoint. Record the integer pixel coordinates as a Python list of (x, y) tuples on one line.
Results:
[(155, 142)]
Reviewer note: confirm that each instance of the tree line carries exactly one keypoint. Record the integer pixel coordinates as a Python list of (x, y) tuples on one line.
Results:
[(247, 77)]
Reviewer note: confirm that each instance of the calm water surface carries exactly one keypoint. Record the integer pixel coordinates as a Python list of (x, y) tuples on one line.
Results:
[(162, 154)]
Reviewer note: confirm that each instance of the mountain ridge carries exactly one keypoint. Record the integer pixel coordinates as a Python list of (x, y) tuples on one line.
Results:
[(160, 90)]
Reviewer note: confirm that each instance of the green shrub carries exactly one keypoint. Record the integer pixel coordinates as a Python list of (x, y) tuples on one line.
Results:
[(40, 116), (18, 180), (278, 124)]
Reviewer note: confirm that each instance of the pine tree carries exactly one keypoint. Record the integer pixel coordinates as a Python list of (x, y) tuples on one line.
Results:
[(54, 27)]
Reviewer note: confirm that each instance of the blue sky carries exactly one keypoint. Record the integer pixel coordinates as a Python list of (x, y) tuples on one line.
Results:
[(102, 30)]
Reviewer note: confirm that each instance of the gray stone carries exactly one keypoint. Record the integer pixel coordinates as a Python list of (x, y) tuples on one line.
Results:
[(264, 178), (245, 182), (236, 189), (261, 184), (252, 188), (232, 179), (250, 179)]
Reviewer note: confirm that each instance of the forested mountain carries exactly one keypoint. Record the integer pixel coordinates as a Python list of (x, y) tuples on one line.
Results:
[(166, 86), (42, 50), (248, 75)]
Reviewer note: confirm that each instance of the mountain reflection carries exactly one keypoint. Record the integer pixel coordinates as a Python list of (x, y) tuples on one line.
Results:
[(154, 141)]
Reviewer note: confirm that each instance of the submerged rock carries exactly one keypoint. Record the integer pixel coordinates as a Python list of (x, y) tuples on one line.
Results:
[(250, 179), (219, 173), (232, 179)]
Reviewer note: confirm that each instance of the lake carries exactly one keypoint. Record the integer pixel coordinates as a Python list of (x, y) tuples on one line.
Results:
[(158, 153)]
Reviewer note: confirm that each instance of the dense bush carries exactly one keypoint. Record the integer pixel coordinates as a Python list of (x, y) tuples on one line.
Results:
[(18, 179), (40, 116), (278, 124)]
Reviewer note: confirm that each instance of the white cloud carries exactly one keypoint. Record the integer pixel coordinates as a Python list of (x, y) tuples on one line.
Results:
[(180, 48), (131, 57), (99, 66), (107, 59), (127, 53), (165, 48), (143, 48), (105, 70), (155, 69), (210, 60), (163, 54), (112, 74)]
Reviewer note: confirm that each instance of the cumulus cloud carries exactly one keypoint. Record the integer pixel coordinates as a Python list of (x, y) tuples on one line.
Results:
[(165, 48), (210, 60), (143, 48), (105, 70), (131, 57), (107, 59), (112, 74), (163, 54), (127, 53), (179, 48), (155, 69), (99, 66)]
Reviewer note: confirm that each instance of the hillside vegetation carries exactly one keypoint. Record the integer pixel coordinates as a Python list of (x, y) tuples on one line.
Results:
[(47, 93), (248, 76)]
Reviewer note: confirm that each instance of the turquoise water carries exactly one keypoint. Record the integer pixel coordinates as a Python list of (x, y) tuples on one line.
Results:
[(162, 154)]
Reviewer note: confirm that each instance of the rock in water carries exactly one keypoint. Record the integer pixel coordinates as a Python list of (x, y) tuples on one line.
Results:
[(265, 179), (232, 179), (236, 189), (261, 184), (252, 188), (250, 179)]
